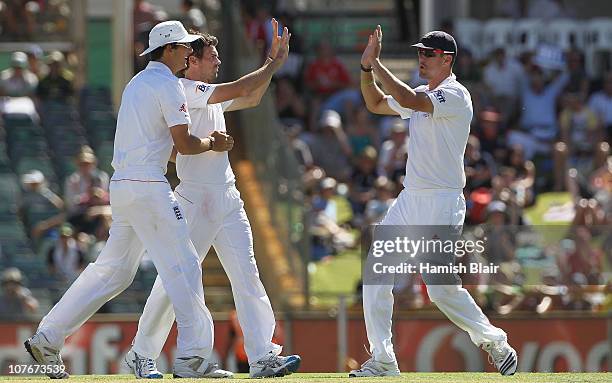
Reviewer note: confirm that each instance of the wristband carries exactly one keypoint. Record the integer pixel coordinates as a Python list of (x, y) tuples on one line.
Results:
[(365, 69), (212, 142)]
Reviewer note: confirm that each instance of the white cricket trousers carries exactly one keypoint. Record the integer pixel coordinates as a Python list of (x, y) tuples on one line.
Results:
[(145, 214), (216, 217), (444, 207)]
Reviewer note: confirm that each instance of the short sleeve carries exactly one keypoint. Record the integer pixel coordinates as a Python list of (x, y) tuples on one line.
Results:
[(448, 102), (404, 113), (174, 104), (226, 104), (197, 93)]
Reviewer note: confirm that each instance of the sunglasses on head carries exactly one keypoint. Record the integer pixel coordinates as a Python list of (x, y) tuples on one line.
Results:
[(432, 52)]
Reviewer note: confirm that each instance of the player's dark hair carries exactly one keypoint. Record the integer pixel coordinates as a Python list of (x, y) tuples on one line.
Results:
[(157, 53), (200, 44)]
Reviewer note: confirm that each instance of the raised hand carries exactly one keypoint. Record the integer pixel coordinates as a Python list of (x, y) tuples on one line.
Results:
[(372, 50), (276, 39), (223, 141), (283, 50)]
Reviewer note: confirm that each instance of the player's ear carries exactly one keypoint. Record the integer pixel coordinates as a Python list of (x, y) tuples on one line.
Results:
[(192, 60)]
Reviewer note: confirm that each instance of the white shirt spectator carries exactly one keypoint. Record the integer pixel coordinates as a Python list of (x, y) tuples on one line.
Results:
[(14, 85), (503, 80)]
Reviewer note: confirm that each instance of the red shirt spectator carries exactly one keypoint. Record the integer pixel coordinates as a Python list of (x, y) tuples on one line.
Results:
[(327, 74)]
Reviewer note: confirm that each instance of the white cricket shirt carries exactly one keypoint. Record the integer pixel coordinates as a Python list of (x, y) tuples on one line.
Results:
[(152, 102), (208, 167), (437, 141)]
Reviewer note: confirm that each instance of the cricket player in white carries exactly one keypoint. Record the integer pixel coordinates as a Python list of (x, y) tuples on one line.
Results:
[(440, 114), (152, 116), (216, 216)]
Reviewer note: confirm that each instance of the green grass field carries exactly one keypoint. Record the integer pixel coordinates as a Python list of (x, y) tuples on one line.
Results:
[(440, 377)]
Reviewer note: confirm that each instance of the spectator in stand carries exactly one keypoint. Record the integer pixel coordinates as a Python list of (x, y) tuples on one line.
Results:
[(363, 179), (345, 102), (35, 62), (290, 106), (581, 133), (294, 64), (78, 185), (601, 103), (600, 184), (58, 84), (41, 209), (393, 152), (479, 167), (65, 260), (503, 76), (467, 69), (18, 18), (361, 131), (377, 207), (579, 79), (490, 133), (193, 17), (328, 237), (16, 301), (326, 74), (254, 28), (524, 177), (145, 16), (538, 122), (299, 147), (584, 262), (330, 147), (18, 81)]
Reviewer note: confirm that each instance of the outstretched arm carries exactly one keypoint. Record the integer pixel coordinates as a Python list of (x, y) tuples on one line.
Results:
[(402, 93), (253, 85)]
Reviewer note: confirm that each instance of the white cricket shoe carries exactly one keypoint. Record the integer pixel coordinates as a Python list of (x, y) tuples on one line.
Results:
[(141, 366), (45, 354), (372, 367), (273, 365), (503, 356), (198, 367)]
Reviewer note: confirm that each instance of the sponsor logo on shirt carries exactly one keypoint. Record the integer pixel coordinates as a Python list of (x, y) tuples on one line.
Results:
[(202, 88), (439, 95), (177, 213), (183, 108)]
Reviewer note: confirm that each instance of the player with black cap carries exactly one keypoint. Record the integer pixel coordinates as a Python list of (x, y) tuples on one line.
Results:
[(440, 114)]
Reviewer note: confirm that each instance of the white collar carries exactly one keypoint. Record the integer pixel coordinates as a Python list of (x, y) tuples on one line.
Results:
[(160, 66), (450, 78)]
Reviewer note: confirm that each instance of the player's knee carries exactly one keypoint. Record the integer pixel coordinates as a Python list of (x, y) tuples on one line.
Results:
[(438, 293), (116, 278)]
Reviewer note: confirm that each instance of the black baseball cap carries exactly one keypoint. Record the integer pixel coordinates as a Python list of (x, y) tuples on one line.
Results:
[(438, 40)]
